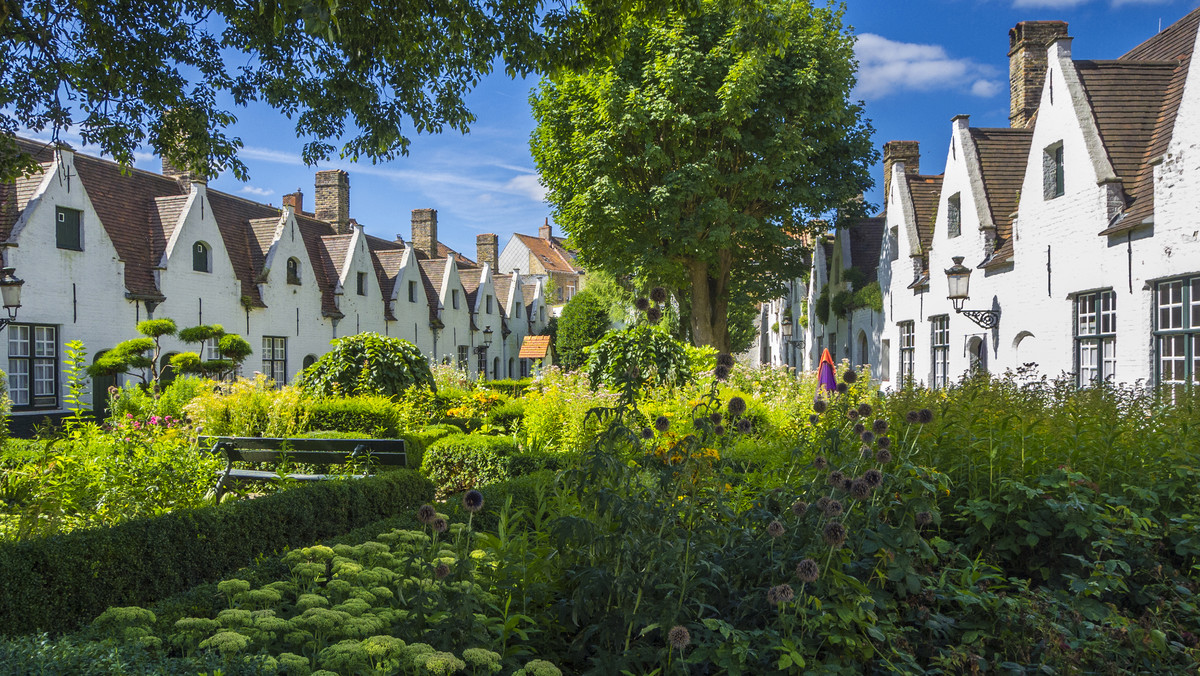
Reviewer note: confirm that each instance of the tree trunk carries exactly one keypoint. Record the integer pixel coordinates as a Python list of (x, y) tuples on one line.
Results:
[(710, 301)]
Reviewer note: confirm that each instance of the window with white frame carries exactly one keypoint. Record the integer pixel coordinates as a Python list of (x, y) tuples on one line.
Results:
[(33, 366), (1095, 336), (274, 359), (1177, 333), (939, 345), (908, 351), (463, 355)]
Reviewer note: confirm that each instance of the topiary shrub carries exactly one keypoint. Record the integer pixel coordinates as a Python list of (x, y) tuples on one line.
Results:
[(371, 416), (461, 462), (367, 363), (583, 322)]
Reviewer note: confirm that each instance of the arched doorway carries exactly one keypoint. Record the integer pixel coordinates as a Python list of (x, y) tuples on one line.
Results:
[(101, 404), (495, 368), (510, 368), (1025, 349), (864, 356), (977, 353), (309, 360), (166, 372)]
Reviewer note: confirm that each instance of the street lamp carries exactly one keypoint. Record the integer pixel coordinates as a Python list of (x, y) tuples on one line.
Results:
[(10, 290), (481, 351), (958, 278)]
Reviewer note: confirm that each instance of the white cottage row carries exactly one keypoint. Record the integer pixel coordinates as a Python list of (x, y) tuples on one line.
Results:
[(1077, 223), (100, 249)]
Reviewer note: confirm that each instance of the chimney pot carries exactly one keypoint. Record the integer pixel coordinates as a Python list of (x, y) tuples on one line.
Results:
[(294, 200), (1027, 64), (333, 199), (424, 232), (544, 231)]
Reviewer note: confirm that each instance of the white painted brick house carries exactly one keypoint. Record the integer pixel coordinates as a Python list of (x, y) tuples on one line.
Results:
[(101, 250)]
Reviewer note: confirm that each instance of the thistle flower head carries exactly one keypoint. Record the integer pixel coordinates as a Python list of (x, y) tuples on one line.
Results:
[(808, 570), (715, 418), (859, 489), (865, 451), (814, 419), (725, 359), (653, 315), (879, 426), (849, 377), (912, 417), (867, 436), (846, 484), (834, 534), (736, 406), (859, 428), (873, 477), (924, 519), (647, 433), (439, 524), (678, 637), (662, 423), (472, 501), (441, 571), (744, 426), (658, 294), (884, 442), (835, 478), (780, 594), (820, 462), (719, 430), (852, 414), (799, 507), (842, 388), (775, 529), (864, 409), (642, 304), (884, 456), (819, 406), (833, 508), (426, 514), (721, 372), (925, 416)]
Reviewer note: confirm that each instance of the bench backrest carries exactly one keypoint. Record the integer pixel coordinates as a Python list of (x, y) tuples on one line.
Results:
[(310, 451)]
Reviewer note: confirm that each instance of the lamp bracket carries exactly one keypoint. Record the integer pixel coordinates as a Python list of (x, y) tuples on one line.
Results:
[(986, 319)]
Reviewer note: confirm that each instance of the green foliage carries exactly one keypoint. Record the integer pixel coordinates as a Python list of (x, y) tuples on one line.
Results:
[(157, 328), (77, 385), (367, 363), (583, 321), (460, 462), (5, 407), (250, 408), (637, 357), (149, 559), (821, 307), (510, 387), (725, 131), (373, 416)]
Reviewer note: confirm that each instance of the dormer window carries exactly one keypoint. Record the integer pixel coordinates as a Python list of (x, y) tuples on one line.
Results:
[(954, 215), (201, 257), (362, 283), (293, 271), (1052, 171)]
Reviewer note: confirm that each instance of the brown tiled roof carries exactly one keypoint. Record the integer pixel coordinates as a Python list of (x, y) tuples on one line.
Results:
[(866, 242), (163, 221), (1001, 256), (460, 260), (534, 347), (387, 256), (926, 191), (552, 255), (233, 216), (8, 208), (263, 230), (432, 272), (1170, 43), (528, 293), (470, 282), (1003, 154), (503, 285)]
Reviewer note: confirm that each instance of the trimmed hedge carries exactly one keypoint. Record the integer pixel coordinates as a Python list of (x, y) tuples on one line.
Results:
[(511, 387), (508, 415), (62, 582), (466, 461), (372, 416)]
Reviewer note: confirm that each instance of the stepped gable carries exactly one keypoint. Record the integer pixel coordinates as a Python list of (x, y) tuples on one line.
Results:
[(866, 239), (1003, 153)]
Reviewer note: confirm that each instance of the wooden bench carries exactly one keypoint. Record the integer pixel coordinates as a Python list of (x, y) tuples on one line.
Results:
[(298, 451)]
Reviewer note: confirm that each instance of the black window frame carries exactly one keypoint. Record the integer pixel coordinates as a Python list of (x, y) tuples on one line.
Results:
[(68, 236), (274, 367), (361, 283), (48, 401), (412, 291), (293, 271), (1183, 334), (201, 257)]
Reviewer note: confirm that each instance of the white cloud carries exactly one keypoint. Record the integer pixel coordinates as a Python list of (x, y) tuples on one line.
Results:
[(257, 192), (886, 67), (528, 185)]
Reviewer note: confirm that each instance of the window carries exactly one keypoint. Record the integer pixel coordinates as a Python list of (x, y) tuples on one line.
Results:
[(69, 232), (570, 291), (954, 215), (211, 349), (1177, 333), (559, 293), (274, 359), (1095, 336), (940, 349), (542, 313), (517, 310), (454, 298), (463, 355), (412, 292), (309, 360), (908, 351), (1052, 171), (362, 283), (33, 366), (201, 261), (833, 346), (489, 305), (885, 360), (293, 271), (894, 243)]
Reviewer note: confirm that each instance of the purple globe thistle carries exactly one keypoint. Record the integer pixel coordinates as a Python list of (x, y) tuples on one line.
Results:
[(814, 419), (846, 485), (775, 529), (879, 426), (653, 315), (820, 462), (658, 294), (736, 406), (912, 417), (719, 430), (744, 426), (642, 304), (859, 489), (865, 451), (884, 456), (472, 501), (849, 377), (834, 534), (441, 571), (842, 388), (662, 423), (439, 525), (715, 418), (721, 372), (725, 359), (867, 436), (873, 477), (884, 442), (852, 414), (833, 508), (808, 570), (799, 507), (859, 428), (835, 478), (925, 416), (819, 406), (864, 409), (780, 594), (678, 637), (647, 433), (924, 519), (426, 514)]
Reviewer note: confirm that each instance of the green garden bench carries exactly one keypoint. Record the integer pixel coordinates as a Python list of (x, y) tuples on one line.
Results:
[(298, 451)]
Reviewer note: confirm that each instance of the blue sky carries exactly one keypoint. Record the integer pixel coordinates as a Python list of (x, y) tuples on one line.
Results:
[(921, 63)]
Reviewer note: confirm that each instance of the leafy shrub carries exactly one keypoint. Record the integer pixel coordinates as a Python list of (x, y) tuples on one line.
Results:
[(583, 321), (461, 462), (39, 654), (508, 415), (367, 363), (373, 416), (250, 408), (637, 357), (135, 400), (556, 412), (510, 387), (148, 559)]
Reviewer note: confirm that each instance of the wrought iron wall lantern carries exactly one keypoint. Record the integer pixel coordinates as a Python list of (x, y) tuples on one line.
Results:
[(10, 290), (958, 282)]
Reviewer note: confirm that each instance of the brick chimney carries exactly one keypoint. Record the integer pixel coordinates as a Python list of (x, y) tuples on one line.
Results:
[(294, 200), (1027, 43), (424, 232), (487, 250), (908, 152), (183, 177), (333, 199), (544, 231)]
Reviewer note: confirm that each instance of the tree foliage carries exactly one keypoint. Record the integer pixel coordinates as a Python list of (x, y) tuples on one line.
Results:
[(637, 357), (367, 363), (170, 73), (699, 154), (138, 355), (584, 320)]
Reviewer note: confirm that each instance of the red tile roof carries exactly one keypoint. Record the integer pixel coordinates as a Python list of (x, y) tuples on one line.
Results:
[(550, 253), (535, 347)]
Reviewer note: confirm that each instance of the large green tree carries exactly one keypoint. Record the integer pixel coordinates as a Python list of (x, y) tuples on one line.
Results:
[(700, 155), (356, 76)]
